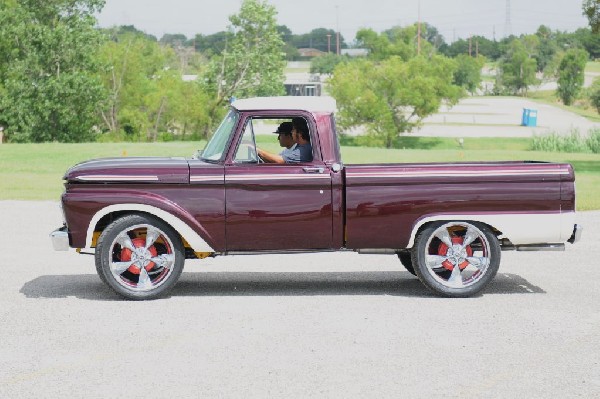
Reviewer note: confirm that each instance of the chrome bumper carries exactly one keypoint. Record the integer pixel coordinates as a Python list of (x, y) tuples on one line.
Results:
[(577, 229), (60, 239)]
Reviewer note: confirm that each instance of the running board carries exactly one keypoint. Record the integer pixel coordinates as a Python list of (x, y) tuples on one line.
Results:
[(534, 247)]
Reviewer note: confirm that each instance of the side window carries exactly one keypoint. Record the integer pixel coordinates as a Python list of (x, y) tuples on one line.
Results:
[(246, 152)]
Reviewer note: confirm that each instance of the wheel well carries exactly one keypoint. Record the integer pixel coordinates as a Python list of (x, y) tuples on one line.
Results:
[(111, 217), (494, 230)]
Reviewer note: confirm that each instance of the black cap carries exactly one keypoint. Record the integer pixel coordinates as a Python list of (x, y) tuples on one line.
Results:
[(285, 128)]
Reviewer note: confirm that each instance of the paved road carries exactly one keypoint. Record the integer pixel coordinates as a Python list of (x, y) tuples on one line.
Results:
[(315, 325), (501, 117)]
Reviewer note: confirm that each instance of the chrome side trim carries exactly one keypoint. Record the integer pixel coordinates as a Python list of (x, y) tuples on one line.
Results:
[(276, 177), (116, 178), (466, 173)]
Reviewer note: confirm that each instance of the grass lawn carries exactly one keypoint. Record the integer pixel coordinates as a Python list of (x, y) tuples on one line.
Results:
[(34, 171), (581, 108)]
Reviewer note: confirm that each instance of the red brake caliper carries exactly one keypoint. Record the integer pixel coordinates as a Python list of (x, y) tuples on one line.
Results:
[(126, 255), (443, 251)]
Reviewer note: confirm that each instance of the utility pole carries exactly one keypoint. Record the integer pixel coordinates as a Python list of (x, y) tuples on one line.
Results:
[(470, 45), (329, 43), (477, 48), (419, 32), (337, 33)]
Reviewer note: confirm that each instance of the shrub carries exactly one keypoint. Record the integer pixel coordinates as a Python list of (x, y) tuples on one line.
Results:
[(593, 141), (555, 142)]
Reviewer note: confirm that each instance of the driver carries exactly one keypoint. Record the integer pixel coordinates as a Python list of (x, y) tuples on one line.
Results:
[(284, 135)]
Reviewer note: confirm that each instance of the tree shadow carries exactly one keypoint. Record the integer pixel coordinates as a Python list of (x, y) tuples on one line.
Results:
[(393, 283)]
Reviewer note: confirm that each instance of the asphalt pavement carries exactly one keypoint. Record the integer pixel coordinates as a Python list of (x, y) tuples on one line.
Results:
[(335, 325)]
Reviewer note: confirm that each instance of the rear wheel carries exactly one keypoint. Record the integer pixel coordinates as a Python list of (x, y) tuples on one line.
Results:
[(456, 259), (139, 257)]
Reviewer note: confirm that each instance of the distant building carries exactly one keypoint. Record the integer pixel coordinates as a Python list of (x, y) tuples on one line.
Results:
[(310, 52), (355, 52), (303, 84)]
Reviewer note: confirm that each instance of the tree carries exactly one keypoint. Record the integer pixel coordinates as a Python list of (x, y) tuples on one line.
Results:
[(49, 69), (326, 63), (468, 72), (392, 96), (517, 69), (253, 60), (591, 9), (594, 94), (571, 75), (317, 38)]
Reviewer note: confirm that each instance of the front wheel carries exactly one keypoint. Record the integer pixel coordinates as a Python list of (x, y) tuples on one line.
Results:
[(139, 257), (456, 259)]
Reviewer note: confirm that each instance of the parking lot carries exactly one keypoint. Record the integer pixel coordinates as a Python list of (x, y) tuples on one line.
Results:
[(309, 325)]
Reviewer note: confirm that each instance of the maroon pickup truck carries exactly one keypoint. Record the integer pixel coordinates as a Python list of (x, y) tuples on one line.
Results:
[(447, 223)]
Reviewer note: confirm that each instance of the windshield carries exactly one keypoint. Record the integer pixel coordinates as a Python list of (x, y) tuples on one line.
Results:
[(216, 145)]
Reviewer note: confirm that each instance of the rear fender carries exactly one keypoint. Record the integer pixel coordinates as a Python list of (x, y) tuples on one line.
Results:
[(519, 228)]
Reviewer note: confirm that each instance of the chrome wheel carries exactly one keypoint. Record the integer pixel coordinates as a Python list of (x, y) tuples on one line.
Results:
[(142, 258), (457, 258), (139, 257)]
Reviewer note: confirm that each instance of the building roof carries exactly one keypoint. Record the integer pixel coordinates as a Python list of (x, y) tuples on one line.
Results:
[(303, 103)]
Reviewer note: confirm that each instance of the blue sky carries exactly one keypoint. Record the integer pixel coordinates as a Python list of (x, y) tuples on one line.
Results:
[(454, 19)]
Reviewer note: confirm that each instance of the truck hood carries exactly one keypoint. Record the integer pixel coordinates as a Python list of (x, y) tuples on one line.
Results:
[(130, 170)]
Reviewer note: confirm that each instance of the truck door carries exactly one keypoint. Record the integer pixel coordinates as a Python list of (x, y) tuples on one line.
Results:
[(276, 206)]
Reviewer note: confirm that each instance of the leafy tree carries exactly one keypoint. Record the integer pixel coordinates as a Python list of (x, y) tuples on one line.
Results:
[(547, 47), (122, 30), (392, 96), (397, 41), (479, 44), (253, 60), (147, 95), (594, 94), (591, 9), (49, 84), (326, 63), (174, 39), (468, 72), (317, 38), (517, 69), (571, 75), (210, 44)]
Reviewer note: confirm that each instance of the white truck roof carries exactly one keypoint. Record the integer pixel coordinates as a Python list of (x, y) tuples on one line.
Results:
[(304, 103)]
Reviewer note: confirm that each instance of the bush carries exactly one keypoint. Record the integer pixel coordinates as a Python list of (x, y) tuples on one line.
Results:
[(593, 141), (555, 142)]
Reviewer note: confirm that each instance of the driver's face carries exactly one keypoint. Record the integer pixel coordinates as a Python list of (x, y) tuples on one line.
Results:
[(285, 140)]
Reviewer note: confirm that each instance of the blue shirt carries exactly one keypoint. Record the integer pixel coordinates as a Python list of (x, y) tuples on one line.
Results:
[(297, 153)]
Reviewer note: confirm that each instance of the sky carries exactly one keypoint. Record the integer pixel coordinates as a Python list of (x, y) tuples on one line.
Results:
[(454, 19)]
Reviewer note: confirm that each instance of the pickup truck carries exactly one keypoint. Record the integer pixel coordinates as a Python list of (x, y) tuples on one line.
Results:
[(446, 222)]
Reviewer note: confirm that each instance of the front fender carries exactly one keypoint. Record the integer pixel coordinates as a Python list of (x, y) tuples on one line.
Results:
[(195, 240), (83, 211)]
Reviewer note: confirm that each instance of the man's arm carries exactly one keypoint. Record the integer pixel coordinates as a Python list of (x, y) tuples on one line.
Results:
[(270, 158)]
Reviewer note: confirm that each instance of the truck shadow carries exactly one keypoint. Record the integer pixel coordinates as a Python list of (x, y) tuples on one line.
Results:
[(393, 283)]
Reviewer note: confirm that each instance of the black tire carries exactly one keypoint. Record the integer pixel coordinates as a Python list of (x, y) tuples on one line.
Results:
[(406, 259), (134, 267), (447, 266)]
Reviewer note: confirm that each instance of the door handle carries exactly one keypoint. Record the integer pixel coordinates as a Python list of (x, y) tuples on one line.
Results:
[(309, 169)]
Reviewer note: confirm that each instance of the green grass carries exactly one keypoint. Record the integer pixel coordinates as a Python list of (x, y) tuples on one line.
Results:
[(34, 171), (580, 108), (593, 66)]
